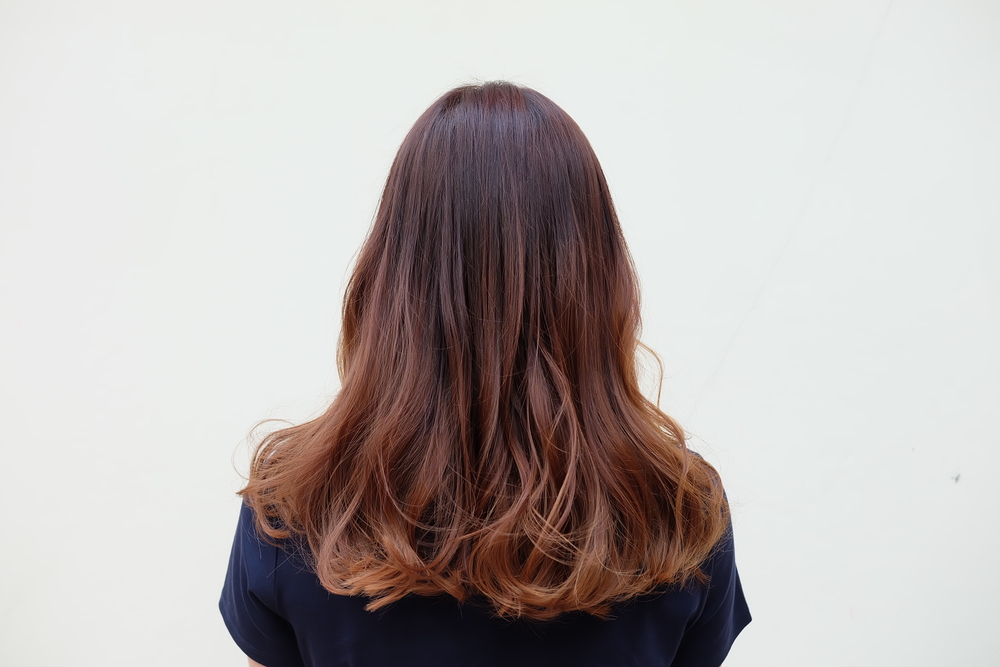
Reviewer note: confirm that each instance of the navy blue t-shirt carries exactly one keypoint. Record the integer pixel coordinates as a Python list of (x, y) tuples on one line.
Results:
[(280, 616)]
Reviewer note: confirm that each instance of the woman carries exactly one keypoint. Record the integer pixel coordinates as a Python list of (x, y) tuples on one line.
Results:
[(489, 486)]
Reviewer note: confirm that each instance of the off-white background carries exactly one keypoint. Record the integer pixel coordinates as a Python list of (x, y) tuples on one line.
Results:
[(811, 190)]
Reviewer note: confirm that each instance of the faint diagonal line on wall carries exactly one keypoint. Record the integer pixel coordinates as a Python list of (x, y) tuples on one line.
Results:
[(803, 208)]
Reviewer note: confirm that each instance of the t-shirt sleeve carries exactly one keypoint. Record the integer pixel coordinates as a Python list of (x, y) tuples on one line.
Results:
[(711, 634), (248, 600)]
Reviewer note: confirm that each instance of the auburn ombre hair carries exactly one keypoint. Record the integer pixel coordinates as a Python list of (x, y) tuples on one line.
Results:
[(490, 440)]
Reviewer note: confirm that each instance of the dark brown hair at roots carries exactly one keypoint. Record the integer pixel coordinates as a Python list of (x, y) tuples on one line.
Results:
[(490, 439)]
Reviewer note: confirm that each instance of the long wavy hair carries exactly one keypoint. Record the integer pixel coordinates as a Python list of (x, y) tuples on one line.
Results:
[(490, 440)]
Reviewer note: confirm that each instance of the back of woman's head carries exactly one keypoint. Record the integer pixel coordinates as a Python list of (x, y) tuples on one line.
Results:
[(490, 438)]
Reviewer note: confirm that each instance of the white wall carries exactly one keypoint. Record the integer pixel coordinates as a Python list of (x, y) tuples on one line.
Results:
[(810, 189)]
